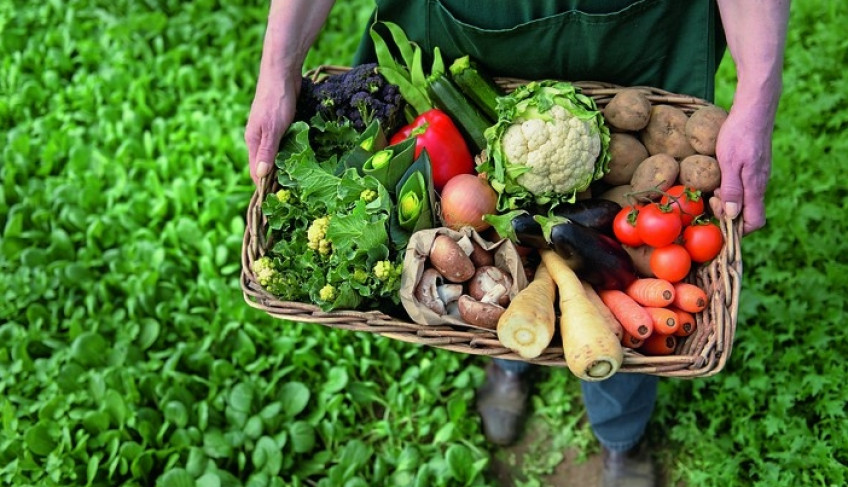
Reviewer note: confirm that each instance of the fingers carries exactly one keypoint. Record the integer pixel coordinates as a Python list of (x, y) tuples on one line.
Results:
[(262, 150)]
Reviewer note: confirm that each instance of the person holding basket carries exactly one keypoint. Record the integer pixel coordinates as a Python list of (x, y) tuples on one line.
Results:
[(667, 44)]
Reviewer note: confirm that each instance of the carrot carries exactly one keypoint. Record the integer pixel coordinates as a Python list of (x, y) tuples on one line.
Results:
[(687, 322), (527, 326), (665, 320), (659, 345), (651, 291), (592, 352), (629, 313), (689, 297), (609, 318), (630, 341)]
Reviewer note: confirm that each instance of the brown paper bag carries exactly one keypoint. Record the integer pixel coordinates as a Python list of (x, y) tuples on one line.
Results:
[(416, 261)]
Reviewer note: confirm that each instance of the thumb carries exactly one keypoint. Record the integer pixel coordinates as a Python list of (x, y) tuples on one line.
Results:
[(730, 195), (265, 155)]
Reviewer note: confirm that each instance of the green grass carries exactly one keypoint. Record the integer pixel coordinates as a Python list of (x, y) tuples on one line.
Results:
[(129, 357)]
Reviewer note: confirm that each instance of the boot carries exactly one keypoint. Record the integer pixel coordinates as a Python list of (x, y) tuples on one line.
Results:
[(632, 468), (502, 404)]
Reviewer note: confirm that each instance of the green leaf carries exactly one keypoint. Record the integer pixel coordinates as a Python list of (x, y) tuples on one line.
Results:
[(444, 434), (355, 454), (40, 438), (115, 406), (92, 468), (149, 333), (177, 477), (294, 397), (336, 380), (302, 436), (176, 413), (267, 456), (241, 397), (209, 479), (460, 462), (89, 349)]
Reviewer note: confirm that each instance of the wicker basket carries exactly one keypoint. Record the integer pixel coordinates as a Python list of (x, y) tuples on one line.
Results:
[(702, 354)]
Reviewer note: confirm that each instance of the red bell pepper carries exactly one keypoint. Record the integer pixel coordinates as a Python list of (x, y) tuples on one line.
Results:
[(435, 131)]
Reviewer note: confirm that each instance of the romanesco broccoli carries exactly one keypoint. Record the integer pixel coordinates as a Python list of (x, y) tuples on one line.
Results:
[(327, 293), (316, 236), (368, 195), (384, 270), (285, 196), (268, 275)]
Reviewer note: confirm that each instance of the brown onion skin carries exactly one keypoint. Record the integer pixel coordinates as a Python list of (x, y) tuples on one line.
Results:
[(465, 199)]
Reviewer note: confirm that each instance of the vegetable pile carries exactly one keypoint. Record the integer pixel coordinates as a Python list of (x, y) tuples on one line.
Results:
[(605, 206)]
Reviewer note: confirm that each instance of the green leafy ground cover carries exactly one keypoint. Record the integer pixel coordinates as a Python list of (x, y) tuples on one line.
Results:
[(128, 356)]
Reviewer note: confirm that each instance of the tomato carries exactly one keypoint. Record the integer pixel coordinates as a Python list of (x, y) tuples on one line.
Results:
[(703, 241), (671, 262), (657, 225), (686, 202), (624, 227)]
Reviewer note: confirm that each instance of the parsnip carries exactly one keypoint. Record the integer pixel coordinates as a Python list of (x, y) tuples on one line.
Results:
[(592, 352), (527, 326)]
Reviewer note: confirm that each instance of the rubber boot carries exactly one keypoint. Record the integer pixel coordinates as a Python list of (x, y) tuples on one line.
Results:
[(502, 404)]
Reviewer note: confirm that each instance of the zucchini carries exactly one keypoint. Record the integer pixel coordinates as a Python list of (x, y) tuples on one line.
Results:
[(447, 97), (478, 87)]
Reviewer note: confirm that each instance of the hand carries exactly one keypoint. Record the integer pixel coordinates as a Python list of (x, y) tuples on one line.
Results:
[(743, 150), (271, 114)]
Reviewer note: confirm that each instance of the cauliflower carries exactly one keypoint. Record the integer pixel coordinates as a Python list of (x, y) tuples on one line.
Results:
[(316, 236), (560, 152), (549, 143)]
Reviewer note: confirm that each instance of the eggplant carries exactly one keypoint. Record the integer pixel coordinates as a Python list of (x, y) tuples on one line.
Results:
[(595, 257), (594, 213), (521, 227)]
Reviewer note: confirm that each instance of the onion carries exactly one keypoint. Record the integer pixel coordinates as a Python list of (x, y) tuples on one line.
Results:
[(465, 199)]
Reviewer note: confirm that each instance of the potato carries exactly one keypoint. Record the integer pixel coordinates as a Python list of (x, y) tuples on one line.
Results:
[(656, 172), (702, 128), (626, 152), (629, 109), (641, 257), (700, 172), (666, 132), (618, 194)]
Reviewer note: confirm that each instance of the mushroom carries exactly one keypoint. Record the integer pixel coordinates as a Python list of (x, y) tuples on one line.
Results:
[(450, 294), (487, 278), (480, 256), (479, 313), (427, 291), (452, 262)]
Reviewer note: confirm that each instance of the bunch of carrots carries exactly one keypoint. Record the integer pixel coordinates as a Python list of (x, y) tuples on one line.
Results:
[(654, 313)]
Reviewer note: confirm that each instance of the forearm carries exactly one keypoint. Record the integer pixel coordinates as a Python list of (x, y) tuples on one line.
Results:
[(756, 37), (292, 27)]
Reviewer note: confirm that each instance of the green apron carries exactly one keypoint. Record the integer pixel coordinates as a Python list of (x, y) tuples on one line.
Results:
[(674, 45)]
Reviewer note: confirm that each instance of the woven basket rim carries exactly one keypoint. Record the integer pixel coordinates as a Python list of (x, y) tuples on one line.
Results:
[(702, 354)]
